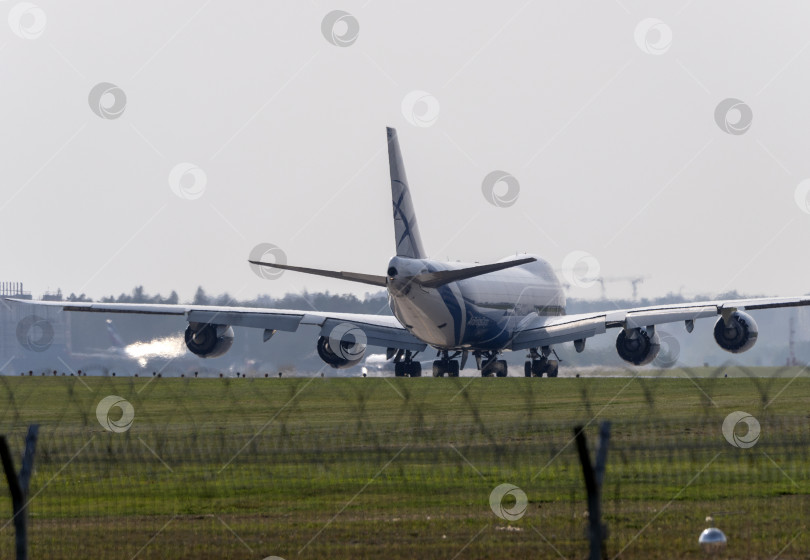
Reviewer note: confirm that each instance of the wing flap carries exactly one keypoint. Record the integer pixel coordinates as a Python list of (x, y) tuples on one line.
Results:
[(380, 330), (379, 335), (767, 303), (641, 319), (148, 309), (257, 320), (544, 331)]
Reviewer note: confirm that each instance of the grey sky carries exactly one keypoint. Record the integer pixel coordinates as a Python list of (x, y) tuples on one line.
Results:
[(616, 150)]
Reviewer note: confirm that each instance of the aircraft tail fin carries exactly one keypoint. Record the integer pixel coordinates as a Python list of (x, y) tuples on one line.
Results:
[(406, 230)]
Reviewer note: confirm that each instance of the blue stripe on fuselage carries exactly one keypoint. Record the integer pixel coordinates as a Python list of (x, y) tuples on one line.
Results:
[(452, 304), (486, 328)]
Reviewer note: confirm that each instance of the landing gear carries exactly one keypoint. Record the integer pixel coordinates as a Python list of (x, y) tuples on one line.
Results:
[(439, 368), (490, 365), (498, 368), (538, 364), (446, 365), (407, 367)]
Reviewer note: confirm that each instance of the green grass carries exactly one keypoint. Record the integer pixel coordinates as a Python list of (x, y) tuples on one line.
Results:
[(403, 468)]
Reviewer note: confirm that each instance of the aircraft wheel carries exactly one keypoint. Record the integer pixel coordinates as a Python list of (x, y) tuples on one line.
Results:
[(553, 368), (438, 368), (501, 368), (454, 369), (527, 369), (415, 369), (539, 367), (399, 369)]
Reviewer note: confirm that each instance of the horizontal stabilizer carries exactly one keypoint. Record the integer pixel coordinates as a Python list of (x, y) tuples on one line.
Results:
[(372, 279), (436, 279)]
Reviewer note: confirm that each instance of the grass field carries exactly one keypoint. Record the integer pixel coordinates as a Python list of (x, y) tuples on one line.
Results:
[(403, 468)]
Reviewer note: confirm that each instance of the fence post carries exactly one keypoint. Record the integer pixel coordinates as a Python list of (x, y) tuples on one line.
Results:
[(594, 476), (18, 486)]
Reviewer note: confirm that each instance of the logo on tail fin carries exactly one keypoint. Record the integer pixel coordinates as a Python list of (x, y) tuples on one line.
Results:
[(406, 230)]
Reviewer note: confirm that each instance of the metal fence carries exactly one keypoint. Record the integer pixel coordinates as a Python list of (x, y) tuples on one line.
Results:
[(450, 468)]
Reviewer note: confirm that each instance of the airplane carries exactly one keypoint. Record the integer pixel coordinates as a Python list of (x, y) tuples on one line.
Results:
[(456, 309)]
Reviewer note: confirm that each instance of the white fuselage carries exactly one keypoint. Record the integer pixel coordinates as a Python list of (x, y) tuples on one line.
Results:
[(479, 313)]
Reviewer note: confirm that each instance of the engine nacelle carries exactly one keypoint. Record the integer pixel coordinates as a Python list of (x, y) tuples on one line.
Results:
[(738, 335), (347, 354), (207, 340), (639, 349)]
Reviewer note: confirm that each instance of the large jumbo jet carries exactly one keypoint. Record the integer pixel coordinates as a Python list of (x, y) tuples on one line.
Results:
[(457, 309)]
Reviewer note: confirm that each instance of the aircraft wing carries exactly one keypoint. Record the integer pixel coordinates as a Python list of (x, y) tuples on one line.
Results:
[(380, 330), (536, 331)]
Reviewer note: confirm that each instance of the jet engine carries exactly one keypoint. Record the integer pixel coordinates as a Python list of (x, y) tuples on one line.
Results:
[(736, 335), (637, 346), (347, 352), (208, 340)]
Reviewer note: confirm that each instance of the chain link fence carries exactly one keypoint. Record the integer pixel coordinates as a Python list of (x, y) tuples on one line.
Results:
[(432, 468)]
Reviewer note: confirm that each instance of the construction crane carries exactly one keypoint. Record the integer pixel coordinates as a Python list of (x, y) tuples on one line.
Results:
[(634, 282)]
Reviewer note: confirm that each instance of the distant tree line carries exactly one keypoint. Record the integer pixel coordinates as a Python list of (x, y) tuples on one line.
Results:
[(372, 303)]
